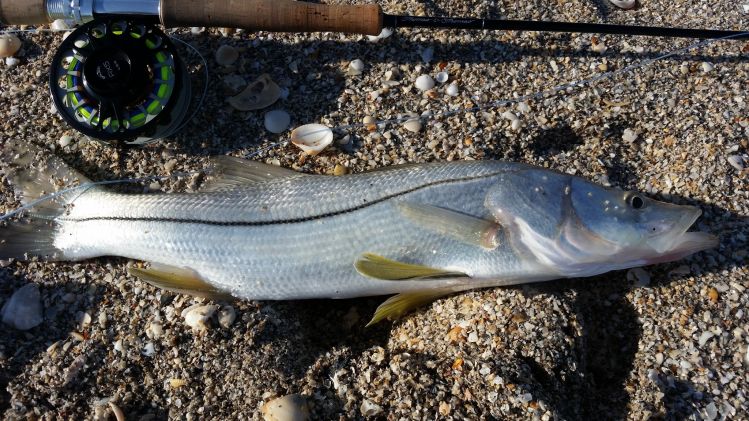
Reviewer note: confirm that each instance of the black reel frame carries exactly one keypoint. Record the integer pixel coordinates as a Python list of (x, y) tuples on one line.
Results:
[(120, 81)]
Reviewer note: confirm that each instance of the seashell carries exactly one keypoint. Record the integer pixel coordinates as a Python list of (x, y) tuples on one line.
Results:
[(12, 62), (9, 45), (59, 25), (413, 124), (23, 310), (277, 121), (226, 316), (509, 115), (226, 55), (442, 77), (339, 170), (599, 47), (356, 67), (385, 33), (392, 74), (424, 83), (65, 141), (370, 123), (197, 30), (452, 89), (707, 67), (286, 408), (312, 138), (624, 4), (370, 409), (118, 414), (258, 94), (198, 315)]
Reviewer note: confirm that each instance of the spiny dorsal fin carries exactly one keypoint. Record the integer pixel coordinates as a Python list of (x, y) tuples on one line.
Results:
[(465, 228), (179, 280), (378, 267), (229, 172), (398, 305)]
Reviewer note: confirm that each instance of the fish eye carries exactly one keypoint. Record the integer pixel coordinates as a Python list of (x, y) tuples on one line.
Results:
[(635, 201)]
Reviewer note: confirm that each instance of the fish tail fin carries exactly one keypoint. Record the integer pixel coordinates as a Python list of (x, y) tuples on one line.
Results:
[(29, 238), (35, 174)]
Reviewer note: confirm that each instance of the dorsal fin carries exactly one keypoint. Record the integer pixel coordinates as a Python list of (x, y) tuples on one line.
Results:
[(230, 172)]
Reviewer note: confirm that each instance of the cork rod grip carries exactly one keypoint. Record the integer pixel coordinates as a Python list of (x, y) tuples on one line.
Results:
[(23, 12), (273, 15)]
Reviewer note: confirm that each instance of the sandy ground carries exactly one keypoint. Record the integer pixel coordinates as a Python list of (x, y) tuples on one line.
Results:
[(669, 342)]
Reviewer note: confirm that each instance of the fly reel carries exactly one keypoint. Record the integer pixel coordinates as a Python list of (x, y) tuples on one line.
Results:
[(120, 81)]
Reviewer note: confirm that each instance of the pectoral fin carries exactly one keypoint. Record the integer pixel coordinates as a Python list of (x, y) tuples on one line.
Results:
[(397, 305), (465, 228), (231, 172), (179, 280), (378, 267)]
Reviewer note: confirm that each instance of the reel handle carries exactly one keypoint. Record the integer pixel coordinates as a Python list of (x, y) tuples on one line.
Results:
[(272, 15), (23, 12)]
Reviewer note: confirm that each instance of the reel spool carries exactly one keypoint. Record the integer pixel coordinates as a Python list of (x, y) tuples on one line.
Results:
[(120, 81)]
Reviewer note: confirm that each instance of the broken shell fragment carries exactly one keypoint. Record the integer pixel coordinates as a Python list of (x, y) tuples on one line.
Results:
[(286, 408), (23, 310), (198, 315), (312, 138), (277, 121), (257, 95), (9, 45), (226, 55), (356, 67)]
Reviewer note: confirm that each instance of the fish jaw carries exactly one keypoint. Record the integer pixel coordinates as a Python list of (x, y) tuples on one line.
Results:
[(688, 243)]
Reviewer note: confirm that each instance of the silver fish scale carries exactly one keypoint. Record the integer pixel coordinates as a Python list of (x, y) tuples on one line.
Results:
[(299, 236)]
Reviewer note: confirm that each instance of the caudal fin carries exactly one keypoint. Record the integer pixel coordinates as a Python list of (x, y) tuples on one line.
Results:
[(35, 173)]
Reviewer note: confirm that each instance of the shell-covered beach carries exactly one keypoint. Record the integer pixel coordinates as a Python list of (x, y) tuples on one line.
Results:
[(669, 341)]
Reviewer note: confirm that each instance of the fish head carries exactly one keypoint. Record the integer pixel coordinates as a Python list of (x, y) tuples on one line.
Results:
[(581, 228)]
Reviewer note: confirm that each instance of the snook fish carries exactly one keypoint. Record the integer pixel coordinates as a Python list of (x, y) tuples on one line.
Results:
[(420, 231)]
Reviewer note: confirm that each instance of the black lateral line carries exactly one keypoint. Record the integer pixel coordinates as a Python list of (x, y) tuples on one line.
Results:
[(280, 221)]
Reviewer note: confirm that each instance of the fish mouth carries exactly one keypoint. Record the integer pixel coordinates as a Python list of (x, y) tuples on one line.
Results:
[(682, 243)]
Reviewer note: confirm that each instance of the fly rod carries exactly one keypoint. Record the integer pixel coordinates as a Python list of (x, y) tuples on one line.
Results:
[(298, 16)]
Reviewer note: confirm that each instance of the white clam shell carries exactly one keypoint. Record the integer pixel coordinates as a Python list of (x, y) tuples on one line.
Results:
[(9, 45), (424, 83), (413, 124), (442, 77), (312, 138), (258, 94), (286, 408), (624, 4), (277, 121), (226, 55)]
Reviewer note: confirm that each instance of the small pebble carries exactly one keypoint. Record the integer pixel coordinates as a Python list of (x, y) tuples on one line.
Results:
[(424, 83), (9, 45), (23, 310), (369, 409), (226, 55), (599, 47), (277, 121), (706, 335), (65, 141)]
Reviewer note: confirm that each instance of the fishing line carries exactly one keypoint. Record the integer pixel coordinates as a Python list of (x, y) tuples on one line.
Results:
[(343, 128)]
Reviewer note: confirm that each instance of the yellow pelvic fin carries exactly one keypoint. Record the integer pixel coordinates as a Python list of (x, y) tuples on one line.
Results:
[(179, 280), (462, 227), (378, 267), (397, 305)]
